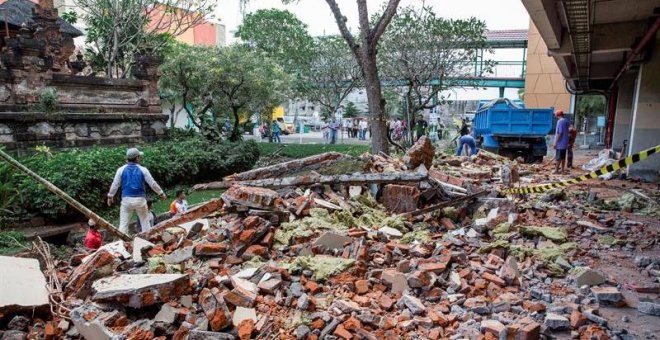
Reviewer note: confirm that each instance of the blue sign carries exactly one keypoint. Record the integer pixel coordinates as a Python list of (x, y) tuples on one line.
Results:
[(601, 121)]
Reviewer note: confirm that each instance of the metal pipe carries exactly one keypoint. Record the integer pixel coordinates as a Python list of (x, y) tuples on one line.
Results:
[(100, 221), (650, 34)]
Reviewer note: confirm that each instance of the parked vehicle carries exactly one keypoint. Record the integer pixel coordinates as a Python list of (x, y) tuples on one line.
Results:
[(509, 129)]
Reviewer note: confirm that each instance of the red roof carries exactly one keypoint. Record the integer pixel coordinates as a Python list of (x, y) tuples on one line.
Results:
[(507, 35)]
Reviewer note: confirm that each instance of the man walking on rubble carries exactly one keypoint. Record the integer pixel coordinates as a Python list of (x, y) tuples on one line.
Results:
[(561, 141), (131, 177)]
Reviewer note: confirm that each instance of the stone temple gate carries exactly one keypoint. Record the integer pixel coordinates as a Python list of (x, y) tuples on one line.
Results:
[(37, 58)]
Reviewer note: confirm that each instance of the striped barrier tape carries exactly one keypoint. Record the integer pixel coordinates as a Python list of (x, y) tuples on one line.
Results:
[(622, 163)]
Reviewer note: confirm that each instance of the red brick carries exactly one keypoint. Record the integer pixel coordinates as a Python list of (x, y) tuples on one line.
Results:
[(494, 279), (313, 287), (317, 324), (361, 286), (341, 332), (400, 198), (533, 306), (447, 223), (210, 249), (386, 302), (245, 329), (577, 319), (255, 250)]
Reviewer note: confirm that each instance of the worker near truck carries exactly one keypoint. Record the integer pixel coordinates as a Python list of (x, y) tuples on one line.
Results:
[(131, 177), (470, 142), (561, 141)]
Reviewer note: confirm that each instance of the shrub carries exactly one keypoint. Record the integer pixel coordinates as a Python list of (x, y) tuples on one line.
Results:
[(86, 175), (49, 100)]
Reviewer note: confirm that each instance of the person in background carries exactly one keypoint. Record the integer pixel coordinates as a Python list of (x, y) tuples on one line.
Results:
[(276, 132), (464, 130), (334, 127), (131, 177), (572, 135), (93, 239), (421, 126), (363, 129), (470, 142), (354, 128), (179, 205), (561, 141)]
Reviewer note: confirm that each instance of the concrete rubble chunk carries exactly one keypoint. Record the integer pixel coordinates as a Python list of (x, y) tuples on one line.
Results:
[(167, 314), (346, 306), (23, 285), (242, 313), (414, 304), (649, 306), (93, 329), (330, 240), (556, 322), (196, 334), (179, 255), (139, 290), (100, 264), (259, 198), (400, 198), (390, 232), (422, 152), (607, 295), (270, 286), (215, 309), (588, 277), (495, 328), (396, 280), (138, 245)]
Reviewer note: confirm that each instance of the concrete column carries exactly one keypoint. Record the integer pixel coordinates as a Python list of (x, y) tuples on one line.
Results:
[(623, 116), (645, 131)]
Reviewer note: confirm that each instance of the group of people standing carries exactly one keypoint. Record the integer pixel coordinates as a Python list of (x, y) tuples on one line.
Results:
[(355, 128)]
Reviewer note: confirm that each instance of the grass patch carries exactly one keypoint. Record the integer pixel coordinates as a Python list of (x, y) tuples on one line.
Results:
[(306, 150), (12, 242)]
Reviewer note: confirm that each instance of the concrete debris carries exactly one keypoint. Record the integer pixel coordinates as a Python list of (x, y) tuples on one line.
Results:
[(140, 290), (440, 254), (22, 287)]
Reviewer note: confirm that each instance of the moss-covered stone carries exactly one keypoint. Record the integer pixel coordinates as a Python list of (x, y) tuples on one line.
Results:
[(321, 266), (551, 233), (419, 235)]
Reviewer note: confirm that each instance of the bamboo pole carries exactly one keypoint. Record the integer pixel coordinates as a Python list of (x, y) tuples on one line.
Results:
[(100, 221)]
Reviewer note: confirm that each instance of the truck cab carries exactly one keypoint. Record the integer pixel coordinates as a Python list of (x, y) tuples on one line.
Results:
[(511, 130)]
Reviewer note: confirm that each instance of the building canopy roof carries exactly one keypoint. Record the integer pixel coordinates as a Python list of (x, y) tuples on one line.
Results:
[(19, 12)]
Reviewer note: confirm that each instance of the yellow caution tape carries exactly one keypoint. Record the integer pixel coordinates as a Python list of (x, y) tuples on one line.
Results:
[(594, 174)]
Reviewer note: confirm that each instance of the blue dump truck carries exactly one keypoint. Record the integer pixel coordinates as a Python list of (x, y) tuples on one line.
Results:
[(509, 129)]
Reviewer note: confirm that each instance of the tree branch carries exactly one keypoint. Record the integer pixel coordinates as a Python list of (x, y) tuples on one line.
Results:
[(383, 21), (341, 23)]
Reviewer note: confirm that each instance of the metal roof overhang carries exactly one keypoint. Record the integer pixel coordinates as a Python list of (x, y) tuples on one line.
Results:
[(593, 40)]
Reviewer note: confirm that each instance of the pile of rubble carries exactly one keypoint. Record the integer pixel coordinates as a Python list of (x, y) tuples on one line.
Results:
[(303, 250)]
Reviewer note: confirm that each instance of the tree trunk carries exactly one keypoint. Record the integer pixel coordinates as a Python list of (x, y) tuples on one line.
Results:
[(235, 134), (376, 102)]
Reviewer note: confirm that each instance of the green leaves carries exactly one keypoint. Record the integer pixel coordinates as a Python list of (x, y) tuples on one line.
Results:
[(86, 175)]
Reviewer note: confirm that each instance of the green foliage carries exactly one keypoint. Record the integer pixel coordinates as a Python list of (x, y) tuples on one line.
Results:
[(70, 16), (49, 100), (351, 111), (215, 84), (12, 242), (420, 47), (280, 35), (86, 174), (588, 106)]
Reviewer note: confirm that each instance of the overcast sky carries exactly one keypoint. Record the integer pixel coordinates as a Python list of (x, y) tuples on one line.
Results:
[(498, 14)]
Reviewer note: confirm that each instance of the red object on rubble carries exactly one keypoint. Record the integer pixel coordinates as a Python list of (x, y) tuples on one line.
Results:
[(93, 239)]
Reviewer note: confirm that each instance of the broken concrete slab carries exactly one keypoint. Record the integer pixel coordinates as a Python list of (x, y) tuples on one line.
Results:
[(414, 304), (167, 314), (197, 334), (390, 232), (139, 290), (23, 285)]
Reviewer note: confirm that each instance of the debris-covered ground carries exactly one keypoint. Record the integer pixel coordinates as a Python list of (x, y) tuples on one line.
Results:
[(333, 247)]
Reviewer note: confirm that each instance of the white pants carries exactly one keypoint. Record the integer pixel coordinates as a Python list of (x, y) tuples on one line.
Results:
[(130, 205)]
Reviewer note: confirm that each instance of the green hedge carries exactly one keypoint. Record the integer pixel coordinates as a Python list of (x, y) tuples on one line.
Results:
[(87, 174)]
